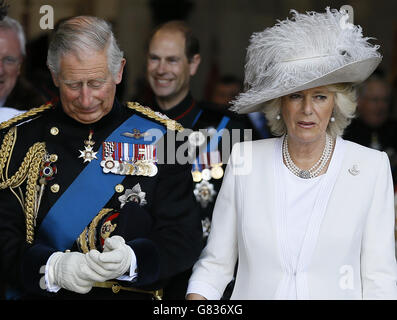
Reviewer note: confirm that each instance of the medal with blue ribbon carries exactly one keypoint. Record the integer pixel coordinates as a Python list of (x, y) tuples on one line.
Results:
[(129, 158)]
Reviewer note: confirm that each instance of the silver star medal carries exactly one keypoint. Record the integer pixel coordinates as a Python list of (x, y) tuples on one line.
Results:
[(135, 195), (88, 153), (204, 193)]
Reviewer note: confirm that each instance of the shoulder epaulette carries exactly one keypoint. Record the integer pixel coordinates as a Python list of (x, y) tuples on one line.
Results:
[(26, 115), (162, 118)]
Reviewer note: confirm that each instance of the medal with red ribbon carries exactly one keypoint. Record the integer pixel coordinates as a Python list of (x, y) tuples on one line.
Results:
[(129, 159)]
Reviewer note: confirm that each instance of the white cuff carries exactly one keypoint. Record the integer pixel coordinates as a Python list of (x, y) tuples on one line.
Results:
[(133, 268), (49, 276), (204, 289)]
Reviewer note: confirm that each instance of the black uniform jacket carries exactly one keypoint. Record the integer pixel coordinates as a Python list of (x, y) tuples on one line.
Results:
[(205, 115), (197, 116), (162, 226)]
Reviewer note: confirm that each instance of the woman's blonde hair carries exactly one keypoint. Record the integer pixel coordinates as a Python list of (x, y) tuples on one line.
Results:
[(344, 110)]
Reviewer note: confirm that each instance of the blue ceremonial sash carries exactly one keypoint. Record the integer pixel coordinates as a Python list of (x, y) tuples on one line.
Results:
[(90, 191), (196, 118)]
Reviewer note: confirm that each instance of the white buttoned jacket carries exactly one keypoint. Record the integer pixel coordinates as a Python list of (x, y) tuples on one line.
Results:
[(348, 249)]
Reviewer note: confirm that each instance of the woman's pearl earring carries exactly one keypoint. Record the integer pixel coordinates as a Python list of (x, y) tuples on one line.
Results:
[(332, 119), (278, 117)]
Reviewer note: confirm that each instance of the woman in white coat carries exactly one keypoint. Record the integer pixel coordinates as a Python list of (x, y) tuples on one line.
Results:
[(307, 215)]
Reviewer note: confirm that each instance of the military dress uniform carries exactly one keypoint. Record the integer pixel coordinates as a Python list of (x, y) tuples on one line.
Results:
[(69, 186), (216, 124), (211, 120)]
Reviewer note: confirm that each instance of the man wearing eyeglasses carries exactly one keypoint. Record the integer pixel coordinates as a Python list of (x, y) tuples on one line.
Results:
[(15, 93)]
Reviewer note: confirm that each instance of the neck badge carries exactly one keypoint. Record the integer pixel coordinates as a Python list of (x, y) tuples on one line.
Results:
[(88, 153)]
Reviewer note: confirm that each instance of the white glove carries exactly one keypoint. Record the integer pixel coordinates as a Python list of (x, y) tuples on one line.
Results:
[(114, 261), (70, 271)]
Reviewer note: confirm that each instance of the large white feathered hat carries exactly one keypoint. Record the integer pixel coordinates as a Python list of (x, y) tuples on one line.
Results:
[(307, 51)]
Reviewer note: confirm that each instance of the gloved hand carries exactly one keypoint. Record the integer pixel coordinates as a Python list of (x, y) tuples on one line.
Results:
[(69, 270), (114, 261)]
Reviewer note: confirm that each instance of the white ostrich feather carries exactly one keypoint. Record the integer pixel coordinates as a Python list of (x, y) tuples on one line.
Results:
[(299, 50)]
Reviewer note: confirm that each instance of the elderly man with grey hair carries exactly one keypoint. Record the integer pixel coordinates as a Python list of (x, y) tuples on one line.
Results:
[(89, 204), (12, 50), (16, 93)]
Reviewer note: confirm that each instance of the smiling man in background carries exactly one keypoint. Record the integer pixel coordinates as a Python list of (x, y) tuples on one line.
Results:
[(173, 58)]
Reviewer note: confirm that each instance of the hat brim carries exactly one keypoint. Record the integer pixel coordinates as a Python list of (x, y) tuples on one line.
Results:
[(354, 72)]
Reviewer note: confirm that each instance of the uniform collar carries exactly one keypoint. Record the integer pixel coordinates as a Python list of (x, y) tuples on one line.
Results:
[(114, 113), (184, 112)]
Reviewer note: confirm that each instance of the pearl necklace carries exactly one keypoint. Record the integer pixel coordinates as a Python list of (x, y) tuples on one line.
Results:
[(315, 170)]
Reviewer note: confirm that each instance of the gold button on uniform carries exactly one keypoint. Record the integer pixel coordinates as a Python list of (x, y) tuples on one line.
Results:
[(116, 288), (119, 188), (53, 158), (54, 131), (55, 188)]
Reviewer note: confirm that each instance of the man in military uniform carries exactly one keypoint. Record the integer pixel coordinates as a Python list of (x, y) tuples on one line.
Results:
[(173, 57), (86, 208)]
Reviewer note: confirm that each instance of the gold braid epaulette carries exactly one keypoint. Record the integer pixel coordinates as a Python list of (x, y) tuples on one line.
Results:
[(25, 115), (169, 123), (29, 171)]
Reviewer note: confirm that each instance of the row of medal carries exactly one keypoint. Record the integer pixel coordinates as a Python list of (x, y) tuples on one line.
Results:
[(207, 165), (129, 159)]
